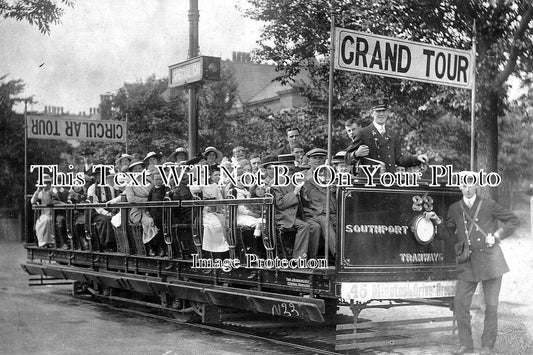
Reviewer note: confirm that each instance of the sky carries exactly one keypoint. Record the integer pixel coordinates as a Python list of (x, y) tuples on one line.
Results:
[(100, 44)]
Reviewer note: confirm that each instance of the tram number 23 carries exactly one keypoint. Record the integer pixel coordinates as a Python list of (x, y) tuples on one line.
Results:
[(285, 309)]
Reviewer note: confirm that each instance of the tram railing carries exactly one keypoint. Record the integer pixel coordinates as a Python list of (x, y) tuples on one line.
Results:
[(129, 236)]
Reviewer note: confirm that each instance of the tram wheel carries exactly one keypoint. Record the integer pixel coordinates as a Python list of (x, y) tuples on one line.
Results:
[(197, 307), (186, 313)]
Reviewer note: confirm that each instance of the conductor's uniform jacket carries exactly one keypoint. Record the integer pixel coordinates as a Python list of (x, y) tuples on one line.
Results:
[(385, 148), (484, 263)]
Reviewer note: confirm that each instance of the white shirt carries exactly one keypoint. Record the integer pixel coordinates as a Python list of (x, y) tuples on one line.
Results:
[(469, 201), (380, 128)]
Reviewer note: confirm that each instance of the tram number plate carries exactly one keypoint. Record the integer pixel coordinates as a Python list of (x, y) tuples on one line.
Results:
[(287, 309)]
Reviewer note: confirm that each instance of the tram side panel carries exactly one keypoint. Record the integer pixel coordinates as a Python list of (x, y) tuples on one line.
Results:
[(388, 242)]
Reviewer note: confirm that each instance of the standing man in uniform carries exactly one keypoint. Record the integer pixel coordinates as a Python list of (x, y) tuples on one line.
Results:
[(474, 220), (383, 144)]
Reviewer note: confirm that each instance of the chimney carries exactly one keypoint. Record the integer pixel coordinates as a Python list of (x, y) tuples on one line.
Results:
[(45, 110), (61, 109)]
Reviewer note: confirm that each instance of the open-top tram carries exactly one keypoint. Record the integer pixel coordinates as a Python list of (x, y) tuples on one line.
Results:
[(387, 249)]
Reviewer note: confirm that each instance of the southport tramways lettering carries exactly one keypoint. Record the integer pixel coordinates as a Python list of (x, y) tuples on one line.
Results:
[(376, 229), (421, 257)]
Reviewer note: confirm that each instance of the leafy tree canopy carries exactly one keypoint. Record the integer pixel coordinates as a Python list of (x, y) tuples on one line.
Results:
[(41, 13)]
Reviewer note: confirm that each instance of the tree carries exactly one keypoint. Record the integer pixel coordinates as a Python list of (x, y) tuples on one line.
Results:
[(504, 37), (156, 122), (42, 13), (12, 146)]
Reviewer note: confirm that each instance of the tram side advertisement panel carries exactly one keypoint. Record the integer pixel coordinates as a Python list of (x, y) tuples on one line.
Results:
[(387, 235)]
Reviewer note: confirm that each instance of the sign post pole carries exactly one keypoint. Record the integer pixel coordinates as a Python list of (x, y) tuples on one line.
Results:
[(473, 103), (194, 16), (330, 114), (25, 170)]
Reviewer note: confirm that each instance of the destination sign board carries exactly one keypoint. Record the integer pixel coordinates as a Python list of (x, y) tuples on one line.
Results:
[(50, 127), (392, 57)]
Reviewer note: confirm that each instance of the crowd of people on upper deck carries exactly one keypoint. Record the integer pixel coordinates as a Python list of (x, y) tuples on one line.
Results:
[(300, 208)]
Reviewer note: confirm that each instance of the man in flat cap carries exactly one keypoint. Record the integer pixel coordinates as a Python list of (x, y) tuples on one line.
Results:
[(314, 199), (474, 220), (383, 144), (287, 205), (87, 155)]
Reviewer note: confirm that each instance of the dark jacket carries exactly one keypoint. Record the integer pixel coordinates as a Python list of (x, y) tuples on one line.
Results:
[(485, 263), (384, 148)]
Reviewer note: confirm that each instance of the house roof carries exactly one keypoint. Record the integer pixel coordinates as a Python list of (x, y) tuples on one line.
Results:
[(251, 78)]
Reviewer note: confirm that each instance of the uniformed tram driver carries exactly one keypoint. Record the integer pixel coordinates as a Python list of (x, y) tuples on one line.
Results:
[(383, 143)]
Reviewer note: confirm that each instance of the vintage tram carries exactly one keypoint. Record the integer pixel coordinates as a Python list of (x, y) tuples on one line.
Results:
[(387, 249)]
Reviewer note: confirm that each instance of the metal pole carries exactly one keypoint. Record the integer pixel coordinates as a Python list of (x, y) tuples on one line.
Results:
[(127, 132), (25, 169), (473, 107), (194, 16), (330, 122)]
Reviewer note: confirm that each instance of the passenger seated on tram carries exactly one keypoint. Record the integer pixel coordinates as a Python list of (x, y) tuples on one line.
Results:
[(246, 217), (139, 215), (158, 193), (289, 213), (77, 194), (178, 192), (123, 162), (102, 193), (314, 199), (214, 239), (62, 240), (44, 195)]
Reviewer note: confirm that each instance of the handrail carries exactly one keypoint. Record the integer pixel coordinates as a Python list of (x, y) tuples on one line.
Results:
[(177, 203)]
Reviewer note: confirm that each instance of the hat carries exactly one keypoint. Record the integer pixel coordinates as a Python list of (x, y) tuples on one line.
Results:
[(87, 151), (123, 156), (179, 150), (135, 163), (213, 149), (152, 155), (269, 160), (379, 104), (46, 178), (255, 159), (316, 152), (339, 157), (286, 158), (96, 170)]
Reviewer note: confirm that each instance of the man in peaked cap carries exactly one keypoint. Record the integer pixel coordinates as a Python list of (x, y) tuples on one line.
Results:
[(474, 220), (314, 201), (87, 155), (287, 206), (383, 144)]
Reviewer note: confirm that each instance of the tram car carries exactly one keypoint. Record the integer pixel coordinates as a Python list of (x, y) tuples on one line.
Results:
[(387, 249)]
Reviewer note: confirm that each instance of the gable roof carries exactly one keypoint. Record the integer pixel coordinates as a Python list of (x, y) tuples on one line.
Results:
[(251, 78)]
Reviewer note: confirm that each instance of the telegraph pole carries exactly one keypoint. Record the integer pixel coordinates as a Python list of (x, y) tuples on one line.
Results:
[(194, 16)]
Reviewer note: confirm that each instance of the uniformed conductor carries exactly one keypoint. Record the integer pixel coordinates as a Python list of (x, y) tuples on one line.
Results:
[(475, 221), (383, 144)]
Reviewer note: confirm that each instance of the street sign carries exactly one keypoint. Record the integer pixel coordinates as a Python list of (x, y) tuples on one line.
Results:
[(194, 70), (387, 56), (50, 127)]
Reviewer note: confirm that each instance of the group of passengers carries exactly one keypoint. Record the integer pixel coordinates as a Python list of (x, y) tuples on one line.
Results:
[(300, 208)]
